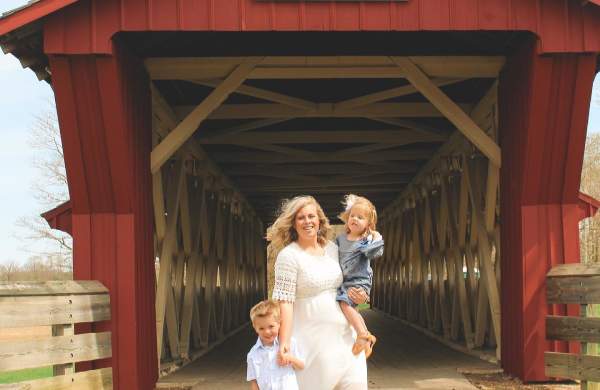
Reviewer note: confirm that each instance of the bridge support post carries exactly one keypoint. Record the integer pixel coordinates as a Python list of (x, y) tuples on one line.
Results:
[(544, 103), (105, 120)]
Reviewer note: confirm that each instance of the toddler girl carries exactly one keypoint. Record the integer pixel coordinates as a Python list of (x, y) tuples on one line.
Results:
[(357, 247)]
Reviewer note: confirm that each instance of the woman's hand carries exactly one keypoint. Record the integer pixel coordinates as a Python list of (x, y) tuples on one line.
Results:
[(358, 295)]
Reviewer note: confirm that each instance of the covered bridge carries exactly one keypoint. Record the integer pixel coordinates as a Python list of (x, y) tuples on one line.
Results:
[(185, 122)]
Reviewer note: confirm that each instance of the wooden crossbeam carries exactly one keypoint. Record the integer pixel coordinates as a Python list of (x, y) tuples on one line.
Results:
[(234, 130), (184, 130), (398, 137), (451, 110), (388, 94), (339, 181), (249, 111), (166, 256), (284, 150), (185, 68), (265, 94), (487, 269), (292, 191), (394, 155), (166, 115), (291, 170), (408, 124), (455, 142)]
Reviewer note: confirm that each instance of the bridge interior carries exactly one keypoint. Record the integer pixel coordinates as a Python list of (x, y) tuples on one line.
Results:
[(243, 121)]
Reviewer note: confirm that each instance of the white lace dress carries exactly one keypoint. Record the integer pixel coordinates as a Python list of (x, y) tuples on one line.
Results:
[(319, 325)]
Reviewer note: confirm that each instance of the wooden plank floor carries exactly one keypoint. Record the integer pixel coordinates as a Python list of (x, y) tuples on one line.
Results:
[(403, 359)]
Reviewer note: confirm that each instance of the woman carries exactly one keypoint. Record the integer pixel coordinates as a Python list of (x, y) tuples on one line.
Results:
[(307, 275)]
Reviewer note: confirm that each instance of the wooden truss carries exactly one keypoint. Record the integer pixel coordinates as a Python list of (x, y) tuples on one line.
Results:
[(440, 269)]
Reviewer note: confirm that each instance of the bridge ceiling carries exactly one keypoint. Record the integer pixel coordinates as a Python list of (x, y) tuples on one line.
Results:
[(324, 126)]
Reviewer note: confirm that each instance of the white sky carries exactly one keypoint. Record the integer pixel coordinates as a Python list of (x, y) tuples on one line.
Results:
[(22, 97)]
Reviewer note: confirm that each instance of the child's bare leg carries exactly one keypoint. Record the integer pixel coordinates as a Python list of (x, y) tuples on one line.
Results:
[(365, 340), (354, 318)]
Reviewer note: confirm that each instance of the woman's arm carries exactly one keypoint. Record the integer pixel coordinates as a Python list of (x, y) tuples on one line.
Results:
[(254, 385), (285, 331)]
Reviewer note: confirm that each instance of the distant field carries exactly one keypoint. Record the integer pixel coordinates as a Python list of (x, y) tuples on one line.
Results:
[(19, 334)]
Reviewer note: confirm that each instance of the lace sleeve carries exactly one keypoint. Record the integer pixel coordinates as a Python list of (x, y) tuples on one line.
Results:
[(285, 278)]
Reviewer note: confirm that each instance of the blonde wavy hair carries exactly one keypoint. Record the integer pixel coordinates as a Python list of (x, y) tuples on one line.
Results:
[(282, 232), (351, 201)]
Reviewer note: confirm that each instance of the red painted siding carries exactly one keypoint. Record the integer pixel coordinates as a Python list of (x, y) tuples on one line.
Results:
[(105, 119), (544, 103), (87, 27)]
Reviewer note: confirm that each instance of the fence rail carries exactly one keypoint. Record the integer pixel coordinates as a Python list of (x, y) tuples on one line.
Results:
[(60, 304), (573, 284)]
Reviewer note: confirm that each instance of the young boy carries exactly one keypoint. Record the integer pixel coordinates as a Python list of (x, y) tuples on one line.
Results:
[(263, 371)]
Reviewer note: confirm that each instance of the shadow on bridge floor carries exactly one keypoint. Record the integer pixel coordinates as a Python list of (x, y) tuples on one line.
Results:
[(403, 359)]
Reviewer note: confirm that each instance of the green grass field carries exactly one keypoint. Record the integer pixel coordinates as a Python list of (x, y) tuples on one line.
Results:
[(25, 375)]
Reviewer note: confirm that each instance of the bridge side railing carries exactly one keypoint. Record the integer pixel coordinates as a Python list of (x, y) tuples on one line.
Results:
[(61, 305), (573, 284)]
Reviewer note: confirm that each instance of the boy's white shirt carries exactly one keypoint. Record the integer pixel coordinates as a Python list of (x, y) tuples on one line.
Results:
[(263, 367)]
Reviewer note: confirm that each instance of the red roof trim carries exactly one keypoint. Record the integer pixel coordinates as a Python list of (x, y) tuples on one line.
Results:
[(31, 13), (60, 217), (588, 204)]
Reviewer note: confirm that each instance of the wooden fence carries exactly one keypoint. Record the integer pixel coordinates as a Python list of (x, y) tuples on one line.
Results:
[(574, 284), (59, 304)]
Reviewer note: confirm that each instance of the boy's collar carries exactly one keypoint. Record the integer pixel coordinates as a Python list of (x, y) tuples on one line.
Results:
[(261, 345)]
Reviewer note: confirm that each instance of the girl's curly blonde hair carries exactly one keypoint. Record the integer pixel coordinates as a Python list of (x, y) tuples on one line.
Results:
[(282, 232), (351, 201)]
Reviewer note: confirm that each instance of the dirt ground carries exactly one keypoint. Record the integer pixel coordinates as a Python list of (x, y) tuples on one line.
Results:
[(500, 381)]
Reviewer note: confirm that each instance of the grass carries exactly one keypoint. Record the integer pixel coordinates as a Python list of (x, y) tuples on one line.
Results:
[(25, 375), (363, 306)]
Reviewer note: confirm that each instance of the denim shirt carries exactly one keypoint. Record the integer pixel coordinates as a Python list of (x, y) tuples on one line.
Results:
[(355, 260)]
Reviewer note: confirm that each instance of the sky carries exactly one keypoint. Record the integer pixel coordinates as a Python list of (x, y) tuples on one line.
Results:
[(22, 97)]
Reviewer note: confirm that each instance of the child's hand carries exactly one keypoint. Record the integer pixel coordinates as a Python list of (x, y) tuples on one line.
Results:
[(376, 236), (283, 355), (287, 359)]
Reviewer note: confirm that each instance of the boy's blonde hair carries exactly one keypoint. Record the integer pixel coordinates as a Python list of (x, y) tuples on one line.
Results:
[(351, 201), (265, 308)]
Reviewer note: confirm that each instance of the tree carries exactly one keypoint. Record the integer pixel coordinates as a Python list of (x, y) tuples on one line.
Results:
[(50, 190), (589, 229)]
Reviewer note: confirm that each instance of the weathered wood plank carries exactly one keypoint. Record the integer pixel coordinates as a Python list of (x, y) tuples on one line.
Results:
[(575, 269), (573, 289), (573, 329), (53, 310), (100, 379), (565, 365), (62, 287), (20, 354)]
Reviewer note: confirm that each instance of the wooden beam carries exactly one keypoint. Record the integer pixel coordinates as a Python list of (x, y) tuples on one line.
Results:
[(388, 94), (418, 127), (249, 111), (451, 110), (323, 169), (230, 131), (391, 155), (188, 126), (167, 116), (166, 257), (488, 275), (392, 136), (265, 94), (454, 143), (186, 68), (333, 182)]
